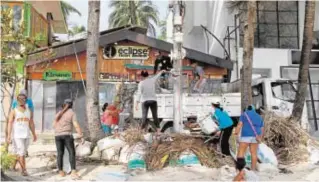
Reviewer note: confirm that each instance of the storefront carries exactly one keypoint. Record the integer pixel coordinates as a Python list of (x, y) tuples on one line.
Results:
[(59, 72)]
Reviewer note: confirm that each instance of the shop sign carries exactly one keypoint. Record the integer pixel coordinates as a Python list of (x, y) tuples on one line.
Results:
[(51, 75), (125, 52)]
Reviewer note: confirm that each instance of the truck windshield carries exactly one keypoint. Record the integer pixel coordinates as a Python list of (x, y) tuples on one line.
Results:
[(284, 91)]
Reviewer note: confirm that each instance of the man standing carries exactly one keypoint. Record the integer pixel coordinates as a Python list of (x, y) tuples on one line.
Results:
[(29, 102), (20, 124), (146, 94), (199, 72), (163, 62)]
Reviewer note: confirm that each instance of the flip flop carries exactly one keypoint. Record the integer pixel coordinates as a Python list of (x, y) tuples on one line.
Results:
[(24, 173)]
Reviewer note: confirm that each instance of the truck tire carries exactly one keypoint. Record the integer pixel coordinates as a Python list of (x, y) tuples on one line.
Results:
[(168, 128)]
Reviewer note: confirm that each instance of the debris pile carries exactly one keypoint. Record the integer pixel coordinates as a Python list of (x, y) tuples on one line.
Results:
[(168, 151), (286, 137)]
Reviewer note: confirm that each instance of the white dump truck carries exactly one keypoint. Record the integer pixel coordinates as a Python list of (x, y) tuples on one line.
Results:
[(270, 94)]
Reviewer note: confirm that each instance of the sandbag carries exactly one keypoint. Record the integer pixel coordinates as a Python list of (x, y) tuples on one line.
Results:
[(110, 142), (136, 158), (111, 154), (266, 155), (314, 155), (96, 154), (188, 158), (83, 150), (124, 154), (208, 126)]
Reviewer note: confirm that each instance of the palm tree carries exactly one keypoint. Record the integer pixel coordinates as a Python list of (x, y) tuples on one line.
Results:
[(248, 48), (162, 26), (134, 12), (67, 9), (76, 30), (92, 89), (304, 60)]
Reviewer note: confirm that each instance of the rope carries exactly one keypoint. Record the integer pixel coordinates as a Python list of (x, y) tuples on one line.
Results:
[(79, 68)]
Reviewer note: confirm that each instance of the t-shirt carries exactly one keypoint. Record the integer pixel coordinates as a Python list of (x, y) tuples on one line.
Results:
[(199, 71), (256, 120), (65, 125), (28, 102), (147, 89), (223, 119), (163, 63)]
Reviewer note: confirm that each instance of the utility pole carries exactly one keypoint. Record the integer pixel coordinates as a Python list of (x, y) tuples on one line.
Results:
[(177, 55)]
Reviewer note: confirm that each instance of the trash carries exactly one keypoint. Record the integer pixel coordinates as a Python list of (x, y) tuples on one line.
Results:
[(266, 154), (208, 126), (110, 142), (83, 150), (251, 175), (96, 154), (136, 158), (267, 167), (148, 138), (111, 154), (314, 155), (112, 176), (66, 162), (188, 158), (124, 154)]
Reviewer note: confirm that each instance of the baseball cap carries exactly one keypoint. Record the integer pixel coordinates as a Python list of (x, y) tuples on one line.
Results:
[(67, 101), (23, 92)]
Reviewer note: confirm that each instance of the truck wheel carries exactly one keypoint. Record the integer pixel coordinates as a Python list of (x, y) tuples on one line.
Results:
[(168, 128)]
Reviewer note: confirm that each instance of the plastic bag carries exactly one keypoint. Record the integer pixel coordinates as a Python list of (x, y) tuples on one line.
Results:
[(136, 158), (110, 142), (208, 126), (188, 158), (110, 154), (66, 162), (266, 154), (83, 150)]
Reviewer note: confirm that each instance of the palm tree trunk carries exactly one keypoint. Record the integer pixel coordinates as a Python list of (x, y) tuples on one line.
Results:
[(132, 12), (92, 98), (304, 60), (249, 29)]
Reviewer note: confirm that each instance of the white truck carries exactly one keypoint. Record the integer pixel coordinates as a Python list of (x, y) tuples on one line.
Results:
[(270, 94)]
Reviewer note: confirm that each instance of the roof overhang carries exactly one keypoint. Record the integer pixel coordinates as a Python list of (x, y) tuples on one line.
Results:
[(130, 34), (54, 7)]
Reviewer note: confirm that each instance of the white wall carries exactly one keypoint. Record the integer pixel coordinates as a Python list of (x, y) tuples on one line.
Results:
[(266, 58)]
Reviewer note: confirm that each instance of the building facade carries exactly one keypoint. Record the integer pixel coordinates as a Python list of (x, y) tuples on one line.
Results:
[(59, 72), (278, 38)]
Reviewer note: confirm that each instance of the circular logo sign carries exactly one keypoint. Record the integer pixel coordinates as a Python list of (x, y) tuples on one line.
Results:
[(109, 51)]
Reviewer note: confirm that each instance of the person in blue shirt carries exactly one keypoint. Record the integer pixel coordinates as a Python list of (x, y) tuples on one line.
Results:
[(225, 127), (251, 126)]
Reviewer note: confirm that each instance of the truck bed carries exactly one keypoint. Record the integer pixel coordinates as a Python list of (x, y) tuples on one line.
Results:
[(193, 105)]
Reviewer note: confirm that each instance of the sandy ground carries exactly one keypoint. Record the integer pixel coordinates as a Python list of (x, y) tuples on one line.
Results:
[(38, 171)]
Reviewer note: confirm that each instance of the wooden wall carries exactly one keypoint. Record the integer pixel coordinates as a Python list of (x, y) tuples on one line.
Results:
[(115, 66)]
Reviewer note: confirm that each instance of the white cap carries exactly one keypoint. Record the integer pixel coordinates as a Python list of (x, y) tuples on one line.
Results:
[(23, 92)]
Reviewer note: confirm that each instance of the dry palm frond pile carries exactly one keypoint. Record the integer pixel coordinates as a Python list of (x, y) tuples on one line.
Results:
[(133, 135), (159, 154), (286, 137)]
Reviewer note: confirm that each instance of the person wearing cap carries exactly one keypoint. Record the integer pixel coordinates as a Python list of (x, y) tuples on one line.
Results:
[(20, 124), (29, 102), (225, 127), (146, 94), (63, 125)]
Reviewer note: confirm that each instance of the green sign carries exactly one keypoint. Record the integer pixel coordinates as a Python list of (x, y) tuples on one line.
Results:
[(51, 75)]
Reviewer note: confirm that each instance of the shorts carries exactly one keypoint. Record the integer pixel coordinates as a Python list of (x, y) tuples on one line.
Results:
[(22, 145), (107, 129), (248, 140)]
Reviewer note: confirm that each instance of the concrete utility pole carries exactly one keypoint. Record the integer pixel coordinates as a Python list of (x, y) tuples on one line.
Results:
[(177, 55)]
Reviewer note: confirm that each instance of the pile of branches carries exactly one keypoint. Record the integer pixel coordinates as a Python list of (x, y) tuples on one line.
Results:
[(133, 135), (162, 152), (286, 137)]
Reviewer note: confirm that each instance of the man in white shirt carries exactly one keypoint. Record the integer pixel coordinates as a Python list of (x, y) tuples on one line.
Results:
[(147, 96)]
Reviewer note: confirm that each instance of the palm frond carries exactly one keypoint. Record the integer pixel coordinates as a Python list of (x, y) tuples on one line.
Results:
[(68, 8), (236, 5)]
